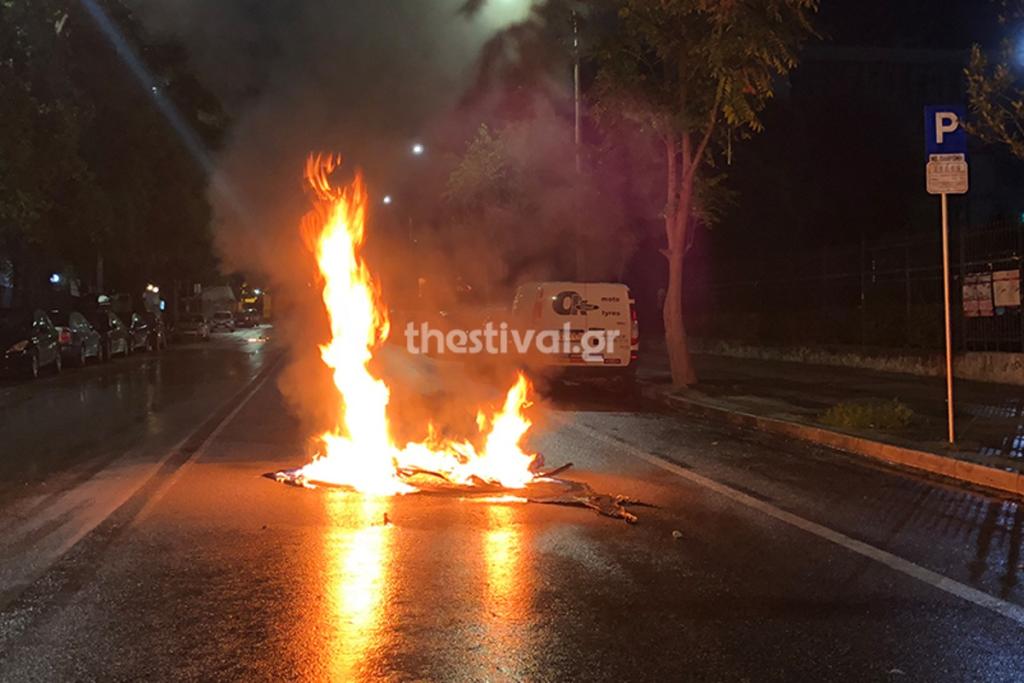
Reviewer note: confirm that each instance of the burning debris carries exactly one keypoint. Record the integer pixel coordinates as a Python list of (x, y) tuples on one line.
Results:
[(418, 480), (545, 489), (360, 453)]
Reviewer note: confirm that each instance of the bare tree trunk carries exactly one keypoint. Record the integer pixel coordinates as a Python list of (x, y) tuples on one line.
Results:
[(677, 213), (679, 359)]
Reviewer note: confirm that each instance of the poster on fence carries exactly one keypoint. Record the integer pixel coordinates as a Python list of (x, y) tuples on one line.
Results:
[(978, 295), (1006, 288)]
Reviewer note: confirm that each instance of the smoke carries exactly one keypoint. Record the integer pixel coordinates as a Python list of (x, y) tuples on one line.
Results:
[(360, 77), (363, 78)]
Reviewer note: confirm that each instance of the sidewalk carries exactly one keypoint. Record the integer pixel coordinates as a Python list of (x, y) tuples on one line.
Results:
[(790, 398)]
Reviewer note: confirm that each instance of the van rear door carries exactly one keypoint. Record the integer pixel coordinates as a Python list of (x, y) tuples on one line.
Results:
[(564, 307), (608, 315)]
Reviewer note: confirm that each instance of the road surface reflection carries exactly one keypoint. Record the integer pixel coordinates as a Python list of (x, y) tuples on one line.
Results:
[(358, 567), (508, 592)]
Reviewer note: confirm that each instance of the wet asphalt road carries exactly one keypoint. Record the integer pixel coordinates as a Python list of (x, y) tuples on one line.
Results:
[(158, 551)]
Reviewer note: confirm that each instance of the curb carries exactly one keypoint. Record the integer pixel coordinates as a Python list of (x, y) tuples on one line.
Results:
[(951, 468)]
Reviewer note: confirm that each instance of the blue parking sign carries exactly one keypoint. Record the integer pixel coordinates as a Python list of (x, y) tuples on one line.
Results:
[(944, 129)]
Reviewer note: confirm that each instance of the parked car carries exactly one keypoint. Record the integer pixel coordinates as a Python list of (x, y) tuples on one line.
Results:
[(113, 333), (193, 325), (222, 320), (157, 331), (29, 342), (79, 341), (138, 333), (249, 317)]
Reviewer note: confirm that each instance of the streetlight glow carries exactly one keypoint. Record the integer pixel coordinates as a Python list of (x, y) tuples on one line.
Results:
[(387, 199), (418, 149)]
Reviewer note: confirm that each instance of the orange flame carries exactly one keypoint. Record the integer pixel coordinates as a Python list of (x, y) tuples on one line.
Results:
[(360, 452)]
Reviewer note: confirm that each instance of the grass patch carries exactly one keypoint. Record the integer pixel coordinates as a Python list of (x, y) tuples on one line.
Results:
[(874, 415)]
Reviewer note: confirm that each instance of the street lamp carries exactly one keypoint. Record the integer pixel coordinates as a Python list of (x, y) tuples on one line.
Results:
[(387, 199), (418, 149)]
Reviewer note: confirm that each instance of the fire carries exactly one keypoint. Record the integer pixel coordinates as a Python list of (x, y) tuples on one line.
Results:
[(360, 451)]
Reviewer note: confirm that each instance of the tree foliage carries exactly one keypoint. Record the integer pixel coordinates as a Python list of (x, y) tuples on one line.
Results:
[(691, 72), (88, 166), (485, 175), (41, 125), (995, 89), (517, 193)]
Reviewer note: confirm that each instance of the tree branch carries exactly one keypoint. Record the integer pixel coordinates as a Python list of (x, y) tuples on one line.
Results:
[(712, 123), (672, 178)]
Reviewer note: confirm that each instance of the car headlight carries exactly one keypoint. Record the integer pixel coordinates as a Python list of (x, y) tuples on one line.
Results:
[(19, 347)]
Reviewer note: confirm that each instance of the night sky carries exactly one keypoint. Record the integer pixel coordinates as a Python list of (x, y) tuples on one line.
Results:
[(935, 24)]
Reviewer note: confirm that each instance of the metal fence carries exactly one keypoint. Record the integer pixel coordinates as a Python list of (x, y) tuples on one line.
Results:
[(876, 295)]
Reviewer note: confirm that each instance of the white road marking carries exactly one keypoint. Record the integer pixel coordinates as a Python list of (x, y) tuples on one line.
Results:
[(932, 578), (101, 496), (201, 449)]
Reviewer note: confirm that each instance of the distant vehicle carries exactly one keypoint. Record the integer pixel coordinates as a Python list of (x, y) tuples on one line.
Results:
[(157, 331), (138, 333), (79, 340), (222, 320), (29, 342), (249, 317), (113, 333), (193, 325), (601, 314)]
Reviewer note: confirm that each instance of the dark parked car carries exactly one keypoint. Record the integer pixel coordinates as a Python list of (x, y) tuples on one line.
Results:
[(29, 342), (193, 325), (138, 332), (158, 335), (222, 320), (249, 317), (79, 341), (113, 333)]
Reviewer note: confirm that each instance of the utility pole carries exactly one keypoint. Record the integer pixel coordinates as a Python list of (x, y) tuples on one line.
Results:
[(578, 143), (99, 271)]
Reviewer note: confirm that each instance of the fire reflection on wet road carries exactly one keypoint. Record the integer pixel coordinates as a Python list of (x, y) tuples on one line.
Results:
[(230, 576), (364, 586), (358, 564), (507, 596)]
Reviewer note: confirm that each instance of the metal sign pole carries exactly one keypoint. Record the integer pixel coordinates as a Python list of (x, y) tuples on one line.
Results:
[(949, 330), (947, 173)]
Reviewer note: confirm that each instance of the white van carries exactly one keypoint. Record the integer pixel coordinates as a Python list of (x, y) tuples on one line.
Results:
[(598, 317)]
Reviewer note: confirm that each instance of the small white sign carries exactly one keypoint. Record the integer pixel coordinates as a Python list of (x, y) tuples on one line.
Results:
[(947, 174), (1006, 288)]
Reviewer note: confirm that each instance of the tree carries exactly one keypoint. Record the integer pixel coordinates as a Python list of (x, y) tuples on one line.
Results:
[(688, 71), (147, 212), (515, 195), (39, 161), (995, 91), (88, 165)]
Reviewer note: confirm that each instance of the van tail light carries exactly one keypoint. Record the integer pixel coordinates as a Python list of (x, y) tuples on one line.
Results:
[(65, 335)]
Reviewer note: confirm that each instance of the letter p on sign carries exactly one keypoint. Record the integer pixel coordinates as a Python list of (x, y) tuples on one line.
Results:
[(944, 131), (945, 122)]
